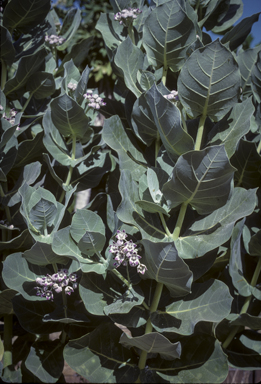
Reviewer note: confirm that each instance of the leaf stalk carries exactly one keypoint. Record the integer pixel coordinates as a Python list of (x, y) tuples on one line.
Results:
[(245, 307), (69, 176), (3, 74), (8, 334)]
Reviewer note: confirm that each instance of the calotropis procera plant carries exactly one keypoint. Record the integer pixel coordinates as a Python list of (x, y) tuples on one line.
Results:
[(157, 278)]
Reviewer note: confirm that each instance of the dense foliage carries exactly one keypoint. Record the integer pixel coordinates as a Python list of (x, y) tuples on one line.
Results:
[(157, 279)]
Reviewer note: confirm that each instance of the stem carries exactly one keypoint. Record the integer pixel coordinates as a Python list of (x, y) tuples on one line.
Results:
[(164, 74), (8, 216), (259, 147), (245, 307), (184, 122), (131, 33), (157, 148), (3, 74), (200, 132), (162, 218), (149, 327), (69, 176), (180, 220), (8, 334), (63, 293), (27, 102)]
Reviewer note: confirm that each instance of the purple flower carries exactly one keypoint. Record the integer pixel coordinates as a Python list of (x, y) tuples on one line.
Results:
[(57, 282), (127, 16), (125, 252), (94, 101)]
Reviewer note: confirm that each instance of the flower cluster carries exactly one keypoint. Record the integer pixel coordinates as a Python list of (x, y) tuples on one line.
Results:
[(72, 86), (173, 95), (54, 40), (11, 117), (127, 15), (56, 282), (94, 101), (125, 252)]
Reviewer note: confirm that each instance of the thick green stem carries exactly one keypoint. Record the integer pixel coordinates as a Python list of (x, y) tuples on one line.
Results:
[(259, 147), (131, 33), (164, 74), (69, 176), (200, 132), (162, 218), (149, 327), (8, 334), (180, 220), (27, 102), (63, 293), (3, 74), (245, 307)]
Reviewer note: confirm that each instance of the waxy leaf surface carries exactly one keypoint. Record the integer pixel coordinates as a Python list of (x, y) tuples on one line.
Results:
[(165, 266), (209, 301), (209, 82), (201, 179), (167, 34)]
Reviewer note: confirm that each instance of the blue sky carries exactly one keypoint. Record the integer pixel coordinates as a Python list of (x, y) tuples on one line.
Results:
[(250, 7)]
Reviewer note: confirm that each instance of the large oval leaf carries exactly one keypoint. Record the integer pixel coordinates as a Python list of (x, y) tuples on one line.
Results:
[(26, 14), (201, 179), (165, 266), (209, 82), (42, 84), (167, 34), (168, 121), (69, 118), (209, 301)]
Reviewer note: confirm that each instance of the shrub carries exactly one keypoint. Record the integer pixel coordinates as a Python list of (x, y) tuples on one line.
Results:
[(157, 278)]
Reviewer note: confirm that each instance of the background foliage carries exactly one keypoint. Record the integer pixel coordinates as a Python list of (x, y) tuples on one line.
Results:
[(179, 174)]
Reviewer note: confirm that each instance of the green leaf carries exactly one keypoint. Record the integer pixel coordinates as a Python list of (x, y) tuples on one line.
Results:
[(30, 315), (215, 229), (165, 266), (235, 262), (42, 214), (255, 244), (71, 23), (20, 275), (27, 65), (130, 213), (24, 16), (232, 127), (168, 121), (201, 179), (209, 82), (247, 161), (129, 59), (167, 34), (95, 292), (100, 358), (135, 318), (45, 360), (41, 84), (29, 151), (256, 79), (149, 206), (143, 121), (6, 307), (64, 245), (245, 351), (42, 254), (69, 118), (78, 53), (6, 47), (116, 137), (82, 85), (202, 361), (88, 231), (238, 34), (209, 301), (112, 32), (228, 19), (153, 342), (71, 72), (246, 61), (247, 320), (146, 79), (21, 242), (131, 298)]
